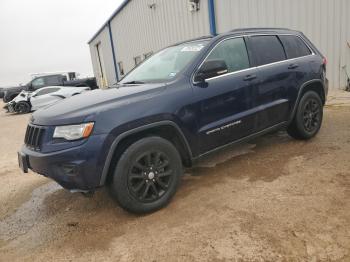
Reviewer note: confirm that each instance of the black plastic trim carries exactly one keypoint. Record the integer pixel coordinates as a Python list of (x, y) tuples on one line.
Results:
[(134, 131)]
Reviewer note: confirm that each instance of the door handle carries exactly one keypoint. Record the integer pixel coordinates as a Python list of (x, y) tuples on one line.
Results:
[(293, 66), (249, 77)]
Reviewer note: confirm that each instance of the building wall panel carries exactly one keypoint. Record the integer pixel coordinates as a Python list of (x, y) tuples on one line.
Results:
[(325, 22), (107, 59), (139, 29)]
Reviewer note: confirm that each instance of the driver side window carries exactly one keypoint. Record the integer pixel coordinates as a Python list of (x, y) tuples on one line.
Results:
[(233, 52), (38, 82)]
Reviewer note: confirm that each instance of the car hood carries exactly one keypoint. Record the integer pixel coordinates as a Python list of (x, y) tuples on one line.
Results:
[(19, 97), (85, 107), (12, 88)]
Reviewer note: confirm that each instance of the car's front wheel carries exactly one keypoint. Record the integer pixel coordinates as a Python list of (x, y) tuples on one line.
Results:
[(22, 107), (147, 175), (308, 117)]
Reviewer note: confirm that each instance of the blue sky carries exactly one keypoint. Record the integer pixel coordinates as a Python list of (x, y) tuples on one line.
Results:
[(48, 35)]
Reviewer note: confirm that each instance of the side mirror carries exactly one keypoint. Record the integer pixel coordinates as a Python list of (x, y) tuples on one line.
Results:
[(211, 68)]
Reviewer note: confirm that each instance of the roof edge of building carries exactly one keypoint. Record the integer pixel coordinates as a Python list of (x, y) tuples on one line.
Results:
[(120, 7)]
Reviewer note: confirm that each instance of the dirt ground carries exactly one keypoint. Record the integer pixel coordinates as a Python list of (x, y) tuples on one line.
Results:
[(273, 199)]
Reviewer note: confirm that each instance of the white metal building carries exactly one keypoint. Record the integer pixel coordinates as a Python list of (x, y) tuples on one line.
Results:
[(139, 28)]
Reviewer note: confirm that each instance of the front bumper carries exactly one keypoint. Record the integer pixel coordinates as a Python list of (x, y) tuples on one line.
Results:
[(77, 168), (11, 107)]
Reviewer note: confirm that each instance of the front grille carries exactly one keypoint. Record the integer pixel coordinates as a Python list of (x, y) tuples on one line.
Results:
[(33, 137)]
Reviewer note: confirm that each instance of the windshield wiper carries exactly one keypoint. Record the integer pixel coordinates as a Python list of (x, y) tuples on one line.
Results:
[(133, 83)]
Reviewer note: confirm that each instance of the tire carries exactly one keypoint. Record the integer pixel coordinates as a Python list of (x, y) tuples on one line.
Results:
[(308, 117), (147, 175), (22, 107), (7, 98)]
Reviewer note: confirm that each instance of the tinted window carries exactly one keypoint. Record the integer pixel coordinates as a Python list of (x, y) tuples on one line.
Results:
[(233, 52), (38, 82), (268, 49), (47, 91), (53, 80), (294, 46)]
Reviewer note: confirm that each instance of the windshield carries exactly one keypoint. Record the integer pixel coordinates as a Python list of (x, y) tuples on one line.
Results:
[(166, 64)]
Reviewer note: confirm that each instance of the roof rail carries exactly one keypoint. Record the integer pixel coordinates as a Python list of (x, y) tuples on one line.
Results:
[(194, 39), (259, 29)]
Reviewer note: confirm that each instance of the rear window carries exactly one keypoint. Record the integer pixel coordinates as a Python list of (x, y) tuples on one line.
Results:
[(294, 46), (268, 49)]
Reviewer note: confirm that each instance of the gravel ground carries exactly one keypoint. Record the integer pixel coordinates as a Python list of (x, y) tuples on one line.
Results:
[(273, 199)]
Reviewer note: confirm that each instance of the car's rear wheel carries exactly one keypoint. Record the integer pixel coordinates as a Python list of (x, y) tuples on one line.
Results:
[(308, 117), (147, 175), (22, 107)]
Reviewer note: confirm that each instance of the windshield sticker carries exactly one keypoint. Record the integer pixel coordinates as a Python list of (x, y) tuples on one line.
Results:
[(193, 48)]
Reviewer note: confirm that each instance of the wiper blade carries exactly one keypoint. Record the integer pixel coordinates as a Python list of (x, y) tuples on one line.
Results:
[(133, 83)]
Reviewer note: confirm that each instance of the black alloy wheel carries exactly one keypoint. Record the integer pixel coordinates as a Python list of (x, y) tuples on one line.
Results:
[(22, 108), (308, 117), (311, 115), (146, 175), (150, 176)]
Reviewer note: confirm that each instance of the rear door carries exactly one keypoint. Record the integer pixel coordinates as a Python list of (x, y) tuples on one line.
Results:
[(224, 103), (54, 80), (271, 97), (299, 57)]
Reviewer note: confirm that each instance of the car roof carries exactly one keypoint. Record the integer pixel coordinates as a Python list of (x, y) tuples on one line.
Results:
[(245, 31)]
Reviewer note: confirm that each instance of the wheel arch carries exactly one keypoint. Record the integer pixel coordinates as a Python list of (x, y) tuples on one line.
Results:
[(165, 129), (313, 85)]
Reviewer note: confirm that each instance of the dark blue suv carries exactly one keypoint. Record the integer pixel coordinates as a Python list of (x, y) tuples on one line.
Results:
[(184, 102)]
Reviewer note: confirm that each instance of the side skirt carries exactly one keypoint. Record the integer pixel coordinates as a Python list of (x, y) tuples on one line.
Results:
[(242, 140)]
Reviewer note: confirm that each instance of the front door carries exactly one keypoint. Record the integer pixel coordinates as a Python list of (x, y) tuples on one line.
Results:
[(224, 103)]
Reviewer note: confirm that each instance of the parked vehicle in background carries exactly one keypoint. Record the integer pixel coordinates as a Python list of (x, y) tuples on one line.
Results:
[(48, 80), (2, 91), (182, 103), (70, 75), (26, 101)]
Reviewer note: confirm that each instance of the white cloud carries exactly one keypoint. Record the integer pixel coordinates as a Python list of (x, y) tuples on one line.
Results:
[(48, 35)]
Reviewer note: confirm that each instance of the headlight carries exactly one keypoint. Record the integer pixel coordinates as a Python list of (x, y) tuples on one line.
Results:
[(73, 132)]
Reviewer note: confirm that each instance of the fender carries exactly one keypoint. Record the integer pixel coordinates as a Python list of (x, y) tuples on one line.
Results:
[(134, 131), (299, 97)]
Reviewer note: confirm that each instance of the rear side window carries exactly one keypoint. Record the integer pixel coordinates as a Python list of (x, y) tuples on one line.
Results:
[(52, 80), (233, 52), (47, 91), (294, 46), (268, 49)]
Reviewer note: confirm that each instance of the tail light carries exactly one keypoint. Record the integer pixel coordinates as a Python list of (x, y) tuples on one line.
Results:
[(324, 61)]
